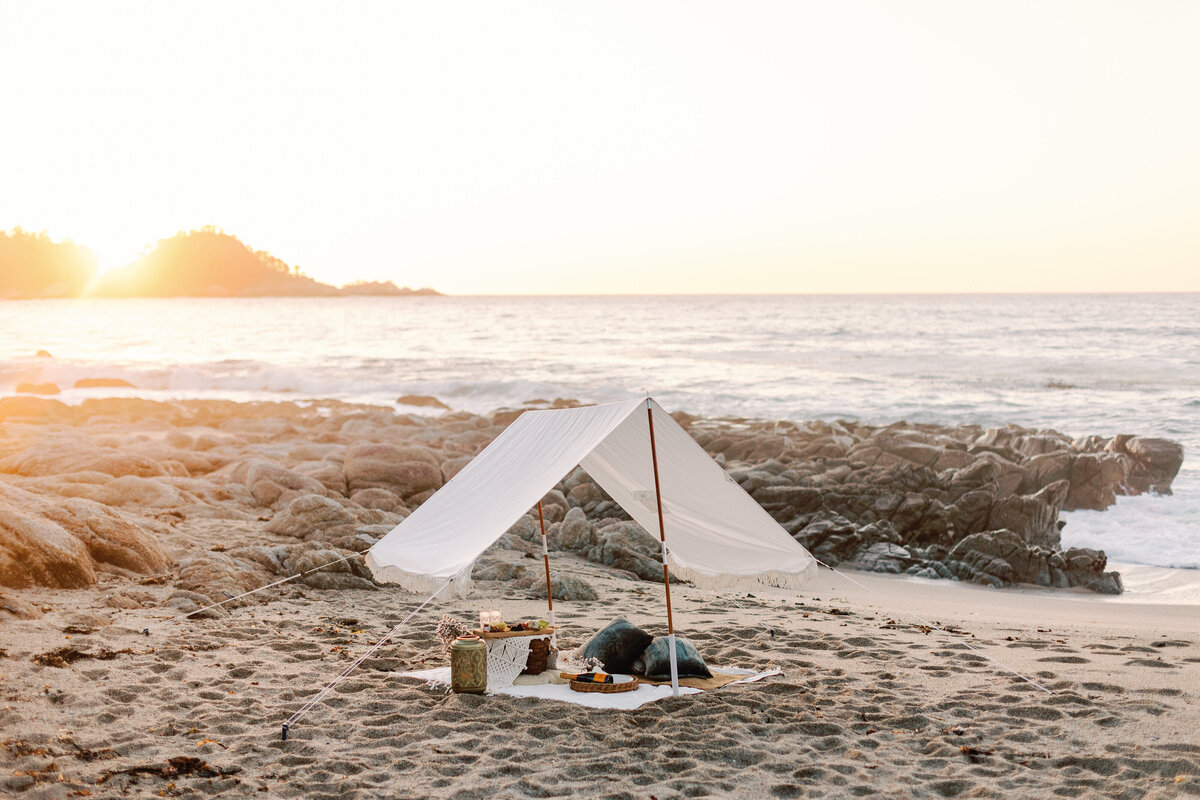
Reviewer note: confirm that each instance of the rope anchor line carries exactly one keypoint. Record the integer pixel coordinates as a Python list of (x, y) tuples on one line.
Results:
[(192, 614), (345, 673)]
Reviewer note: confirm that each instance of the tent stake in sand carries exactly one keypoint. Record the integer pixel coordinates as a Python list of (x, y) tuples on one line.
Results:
[(662, 537)]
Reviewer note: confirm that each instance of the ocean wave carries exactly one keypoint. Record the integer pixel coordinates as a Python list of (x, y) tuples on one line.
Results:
[(1148, 529)]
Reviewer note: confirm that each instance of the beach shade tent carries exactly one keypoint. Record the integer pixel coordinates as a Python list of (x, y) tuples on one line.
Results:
[(713, 533)]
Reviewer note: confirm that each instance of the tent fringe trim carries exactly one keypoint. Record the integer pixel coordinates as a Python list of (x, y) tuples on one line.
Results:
[(421, 584), (776, 578)]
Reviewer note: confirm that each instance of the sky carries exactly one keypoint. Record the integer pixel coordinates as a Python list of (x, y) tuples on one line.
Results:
[(642, 147)]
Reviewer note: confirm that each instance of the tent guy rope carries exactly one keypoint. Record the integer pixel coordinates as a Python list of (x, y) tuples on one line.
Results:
[(304, 709), (192, 614)]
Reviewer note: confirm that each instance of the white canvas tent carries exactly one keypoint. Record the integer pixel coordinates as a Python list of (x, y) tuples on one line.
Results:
[(716, 534), (713, 533)]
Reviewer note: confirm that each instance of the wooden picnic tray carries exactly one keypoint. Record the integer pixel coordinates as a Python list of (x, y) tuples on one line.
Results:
[(482, 634)]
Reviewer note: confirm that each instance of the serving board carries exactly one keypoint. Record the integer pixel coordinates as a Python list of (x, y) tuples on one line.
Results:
[(508, 634)]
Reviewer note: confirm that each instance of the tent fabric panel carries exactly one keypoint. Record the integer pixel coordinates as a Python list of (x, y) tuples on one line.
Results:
[(444, 536), (717, 535)]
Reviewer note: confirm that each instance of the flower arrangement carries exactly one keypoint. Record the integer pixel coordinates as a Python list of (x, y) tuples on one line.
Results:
[(448, 629)]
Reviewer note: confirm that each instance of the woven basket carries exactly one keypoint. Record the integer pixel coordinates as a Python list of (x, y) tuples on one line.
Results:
[(539, 657), (607, 688)]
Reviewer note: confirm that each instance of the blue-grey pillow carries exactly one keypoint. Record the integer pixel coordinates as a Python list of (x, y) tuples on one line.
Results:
[(655, 660), (617, 645)]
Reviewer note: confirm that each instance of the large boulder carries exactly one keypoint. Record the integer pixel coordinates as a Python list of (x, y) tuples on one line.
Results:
[(220, 577), (1032, 517), (405, 470), (1044, 469), (1003, 558), (1157, 462), (270, 484), (563, 588), (35, 551), (500, 571), (555, 506), (328, 568), (110, 536), (381, 499), (60, 543), (576, 533), (1095, 478), (308, 514)]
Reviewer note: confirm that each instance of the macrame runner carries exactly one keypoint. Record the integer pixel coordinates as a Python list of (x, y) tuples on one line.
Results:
[(506, 659)]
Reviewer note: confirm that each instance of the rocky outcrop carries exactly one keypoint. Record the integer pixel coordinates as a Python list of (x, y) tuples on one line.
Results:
[(92, 487), (63, 544), (901, 497), (1004, 558)]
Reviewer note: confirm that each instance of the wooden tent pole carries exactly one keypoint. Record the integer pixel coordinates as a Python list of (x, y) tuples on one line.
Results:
[(662, 537), (546, 561), (662, 532)]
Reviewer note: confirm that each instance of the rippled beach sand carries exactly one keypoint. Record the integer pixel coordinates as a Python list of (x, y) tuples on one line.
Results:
[(870, 702)]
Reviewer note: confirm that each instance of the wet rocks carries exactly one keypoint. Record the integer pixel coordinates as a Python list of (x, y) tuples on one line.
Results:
[(1004, 558), (903, 495), (883, 557), (1156, 463)]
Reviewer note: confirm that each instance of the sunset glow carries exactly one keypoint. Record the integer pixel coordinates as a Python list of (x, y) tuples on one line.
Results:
[(690, 147)]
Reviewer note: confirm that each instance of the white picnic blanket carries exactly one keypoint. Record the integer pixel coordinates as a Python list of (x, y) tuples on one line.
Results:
[(645, 693)]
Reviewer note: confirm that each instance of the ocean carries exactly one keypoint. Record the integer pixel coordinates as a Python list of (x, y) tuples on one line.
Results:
[(1080, 364)]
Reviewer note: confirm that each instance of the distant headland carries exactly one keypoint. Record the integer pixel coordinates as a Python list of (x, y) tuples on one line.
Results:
[(206, 262)]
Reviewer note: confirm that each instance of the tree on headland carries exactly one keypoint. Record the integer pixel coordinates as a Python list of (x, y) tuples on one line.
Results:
[(204, 263), (207, 262), (32, 265)]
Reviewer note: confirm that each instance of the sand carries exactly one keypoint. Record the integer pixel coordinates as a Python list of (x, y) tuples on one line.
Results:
[(870, 703)]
